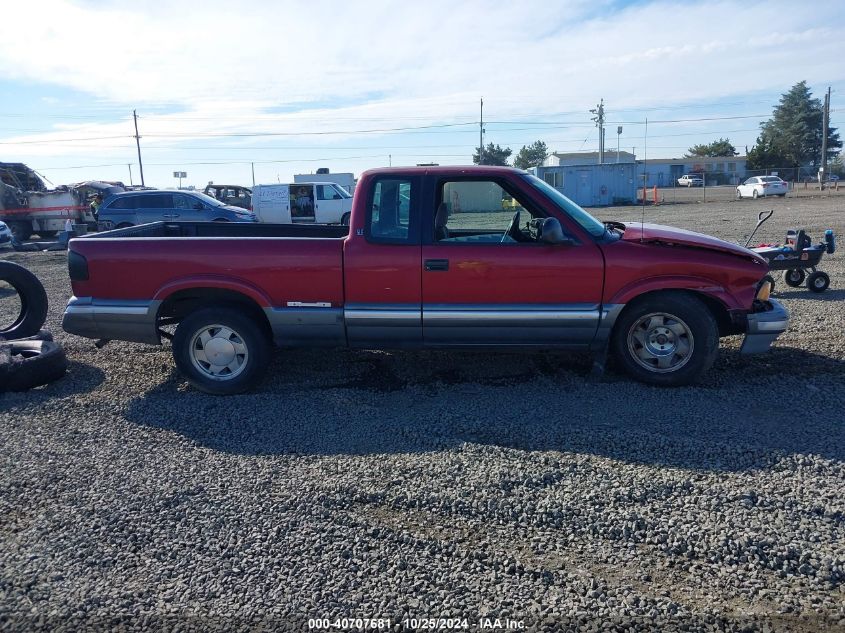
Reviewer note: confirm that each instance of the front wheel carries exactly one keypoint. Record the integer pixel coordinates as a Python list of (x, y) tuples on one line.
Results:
[(344, 220), (667, 339), (221, 351)]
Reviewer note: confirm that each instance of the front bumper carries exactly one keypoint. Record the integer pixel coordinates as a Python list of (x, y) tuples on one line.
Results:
[(764, 327), (124, 320)]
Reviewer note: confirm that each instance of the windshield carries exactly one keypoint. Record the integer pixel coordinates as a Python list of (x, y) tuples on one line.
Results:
[(587, 222), (208, 199), (341, 191)]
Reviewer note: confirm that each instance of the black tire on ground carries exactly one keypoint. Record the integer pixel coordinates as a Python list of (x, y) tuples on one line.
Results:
[(226, 335), (794, 277), (738, 194), (21, 231), (818, 281), (33, 301), (344, 220), (771, 280), (666, 338), (48, 235), (27, 364)]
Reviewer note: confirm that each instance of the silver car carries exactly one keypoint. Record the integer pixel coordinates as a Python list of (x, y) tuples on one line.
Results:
[(142, 207)]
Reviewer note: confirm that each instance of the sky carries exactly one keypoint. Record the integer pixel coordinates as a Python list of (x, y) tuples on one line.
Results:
[(256, 91)]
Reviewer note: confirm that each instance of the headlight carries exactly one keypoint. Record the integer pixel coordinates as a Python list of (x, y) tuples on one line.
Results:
[(764, 290)]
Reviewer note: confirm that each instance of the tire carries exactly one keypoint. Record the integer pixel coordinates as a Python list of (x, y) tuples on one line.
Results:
[(794, 277), (344, 220), (818, 281), (738, 194), (246, 345), (47, 235), (21, 231), (672, 329), (27, 364), (754, 194), (33, 300)]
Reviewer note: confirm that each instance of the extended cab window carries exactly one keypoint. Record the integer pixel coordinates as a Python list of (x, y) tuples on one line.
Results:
[(481, 211), (389, 217)]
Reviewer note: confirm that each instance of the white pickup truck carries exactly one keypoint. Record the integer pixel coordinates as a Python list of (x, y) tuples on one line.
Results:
[(301, 203)]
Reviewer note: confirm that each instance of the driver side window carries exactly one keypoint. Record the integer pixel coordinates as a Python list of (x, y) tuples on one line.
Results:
[(479, 211)]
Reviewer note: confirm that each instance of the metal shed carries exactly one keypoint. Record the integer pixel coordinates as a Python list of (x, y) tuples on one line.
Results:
[(592, 185)]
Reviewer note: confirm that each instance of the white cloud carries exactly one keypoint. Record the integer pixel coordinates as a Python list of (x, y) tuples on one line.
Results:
[(391, 64)]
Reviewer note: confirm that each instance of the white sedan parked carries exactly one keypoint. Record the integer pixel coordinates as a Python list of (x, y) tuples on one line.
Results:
[(758, 186)]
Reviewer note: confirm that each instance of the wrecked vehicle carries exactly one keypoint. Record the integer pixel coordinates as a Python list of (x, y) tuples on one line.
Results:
[(27, 206)]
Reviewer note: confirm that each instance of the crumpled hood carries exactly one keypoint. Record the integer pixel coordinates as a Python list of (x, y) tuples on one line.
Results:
[(635, 232)]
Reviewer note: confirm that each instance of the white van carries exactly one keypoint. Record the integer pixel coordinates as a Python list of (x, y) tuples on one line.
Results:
[(301, 202)]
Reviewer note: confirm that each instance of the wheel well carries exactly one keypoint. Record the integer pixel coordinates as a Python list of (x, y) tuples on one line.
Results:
[(717, 309), (180, 304)]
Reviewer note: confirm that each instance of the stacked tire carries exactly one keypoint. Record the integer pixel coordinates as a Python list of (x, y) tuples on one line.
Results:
[(28, 355)]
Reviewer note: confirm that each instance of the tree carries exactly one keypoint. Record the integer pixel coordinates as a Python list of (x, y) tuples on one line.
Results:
[(793, 136), (492, 155), (531, 156), (722, 147)]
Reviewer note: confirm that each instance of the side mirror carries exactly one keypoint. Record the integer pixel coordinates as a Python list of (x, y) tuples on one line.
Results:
[(551, 232)]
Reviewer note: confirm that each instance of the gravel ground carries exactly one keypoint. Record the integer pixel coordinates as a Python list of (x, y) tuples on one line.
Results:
[(395, 485)]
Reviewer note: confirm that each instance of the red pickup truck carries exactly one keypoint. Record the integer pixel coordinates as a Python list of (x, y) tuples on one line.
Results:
[(434, 257)]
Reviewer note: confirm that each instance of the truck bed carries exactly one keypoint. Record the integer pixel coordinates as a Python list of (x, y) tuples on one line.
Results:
[(225, 229)]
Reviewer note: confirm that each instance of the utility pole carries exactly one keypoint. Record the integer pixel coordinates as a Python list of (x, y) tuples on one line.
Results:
[(825, 125), (138, 143), (481, 135), (618, 135), (129, 165), (253, 174), (599, 119)]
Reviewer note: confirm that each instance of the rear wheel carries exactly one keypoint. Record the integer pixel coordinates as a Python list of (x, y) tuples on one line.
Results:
[(754, 194), (47, 235), (667, 339), (344, 220), (818, 281), (794, 277), (221, 351)]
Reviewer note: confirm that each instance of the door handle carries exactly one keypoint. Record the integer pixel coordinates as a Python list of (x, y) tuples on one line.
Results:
[(436, 264)]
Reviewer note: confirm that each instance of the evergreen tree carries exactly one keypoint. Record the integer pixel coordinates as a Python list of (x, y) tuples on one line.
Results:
[(492, 155), (531, 156), (722, 147), (793, 136)]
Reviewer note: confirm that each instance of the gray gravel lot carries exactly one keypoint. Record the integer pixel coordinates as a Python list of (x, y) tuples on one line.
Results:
[(387, 485)]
